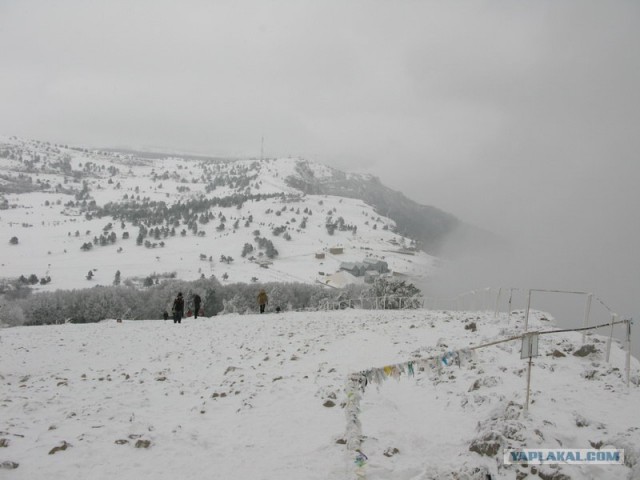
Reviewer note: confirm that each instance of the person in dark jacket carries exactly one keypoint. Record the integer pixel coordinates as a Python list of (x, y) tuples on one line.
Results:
[(165, 315), (196, 305), (178, 308), (262, 300)]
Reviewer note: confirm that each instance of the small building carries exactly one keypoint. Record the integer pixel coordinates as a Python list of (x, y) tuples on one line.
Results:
[(320, 255), (374, 264), (340, 279), (371, 276), (356, 269), (336, 250)]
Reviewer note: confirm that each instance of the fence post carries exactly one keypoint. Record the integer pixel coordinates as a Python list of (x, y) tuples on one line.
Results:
[(587, 310), (526, 315), (495, 313), (614, 317), (384, 304)]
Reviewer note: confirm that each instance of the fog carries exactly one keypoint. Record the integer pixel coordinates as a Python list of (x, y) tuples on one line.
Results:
[(520, 118)]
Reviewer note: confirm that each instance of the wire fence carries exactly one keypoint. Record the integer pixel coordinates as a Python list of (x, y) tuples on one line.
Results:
[(473, 300)]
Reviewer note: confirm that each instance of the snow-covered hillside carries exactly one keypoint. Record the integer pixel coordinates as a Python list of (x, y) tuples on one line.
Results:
[(187, 212), (259, 397)]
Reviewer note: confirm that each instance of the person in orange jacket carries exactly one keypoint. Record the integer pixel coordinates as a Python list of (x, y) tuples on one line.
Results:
[(262, 300)]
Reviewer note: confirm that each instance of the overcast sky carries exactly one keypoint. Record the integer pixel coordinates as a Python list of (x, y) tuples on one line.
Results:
[(520, 117)]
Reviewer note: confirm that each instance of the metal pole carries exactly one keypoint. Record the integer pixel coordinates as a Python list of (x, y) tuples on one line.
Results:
[(587, 310), (526, 403), (614, 317), (628, 362), (510, 296), (526, 316), (495, 313)]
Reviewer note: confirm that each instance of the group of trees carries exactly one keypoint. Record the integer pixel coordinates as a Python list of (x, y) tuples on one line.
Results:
[(102, 302), (33, 279)]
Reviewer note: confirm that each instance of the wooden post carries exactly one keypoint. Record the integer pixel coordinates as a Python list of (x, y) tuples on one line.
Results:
[(495, 313), (614, 317), (587, 310)]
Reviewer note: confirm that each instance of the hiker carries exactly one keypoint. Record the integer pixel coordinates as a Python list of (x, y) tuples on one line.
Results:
[(178, 308), (262, 300), (165, 315), (196, 305)]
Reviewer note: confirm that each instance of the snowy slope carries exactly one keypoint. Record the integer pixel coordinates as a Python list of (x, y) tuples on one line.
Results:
[(244, 397), (40, 180)]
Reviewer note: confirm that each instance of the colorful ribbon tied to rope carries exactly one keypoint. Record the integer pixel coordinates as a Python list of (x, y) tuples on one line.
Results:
[(361, 459)]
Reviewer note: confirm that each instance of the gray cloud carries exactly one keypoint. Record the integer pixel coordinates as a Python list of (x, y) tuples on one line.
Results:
[(518, 117)]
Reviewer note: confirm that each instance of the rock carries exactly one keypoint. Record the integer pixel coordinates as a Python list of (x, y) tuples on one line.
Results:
[(230, 369), (59, 448), (596, 445), (161, 379), (143, 443), (521, 475), (7, 465), (488, 445), (585, 350), (277, 378), (4, 442), (341, 441), (557, 354), (581, 421), (390, 452), (484, 382), (121, 442), (471, 326), (329, 404), (553, 476)]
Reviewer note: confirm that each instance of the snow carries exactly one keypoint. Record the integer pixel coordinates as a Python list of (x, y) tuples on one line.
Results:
[(243, 397), (48, 245)]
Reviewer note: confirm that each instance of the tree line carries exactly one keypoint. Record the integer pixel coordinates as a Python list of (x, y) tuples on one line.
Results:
[(131, 302)]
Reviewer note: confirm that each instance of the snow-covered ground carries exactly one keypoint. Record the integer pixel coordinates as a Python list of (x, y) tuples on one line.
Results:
[(50, 234), (243, 397)]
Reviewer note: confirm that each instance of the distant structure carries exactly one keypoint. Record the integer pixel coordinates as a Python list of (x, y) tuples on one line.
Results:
[(336, 250), (340, 279), (320, 255), (370, 276), (356, 269), (374, 264), (359, 269)]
